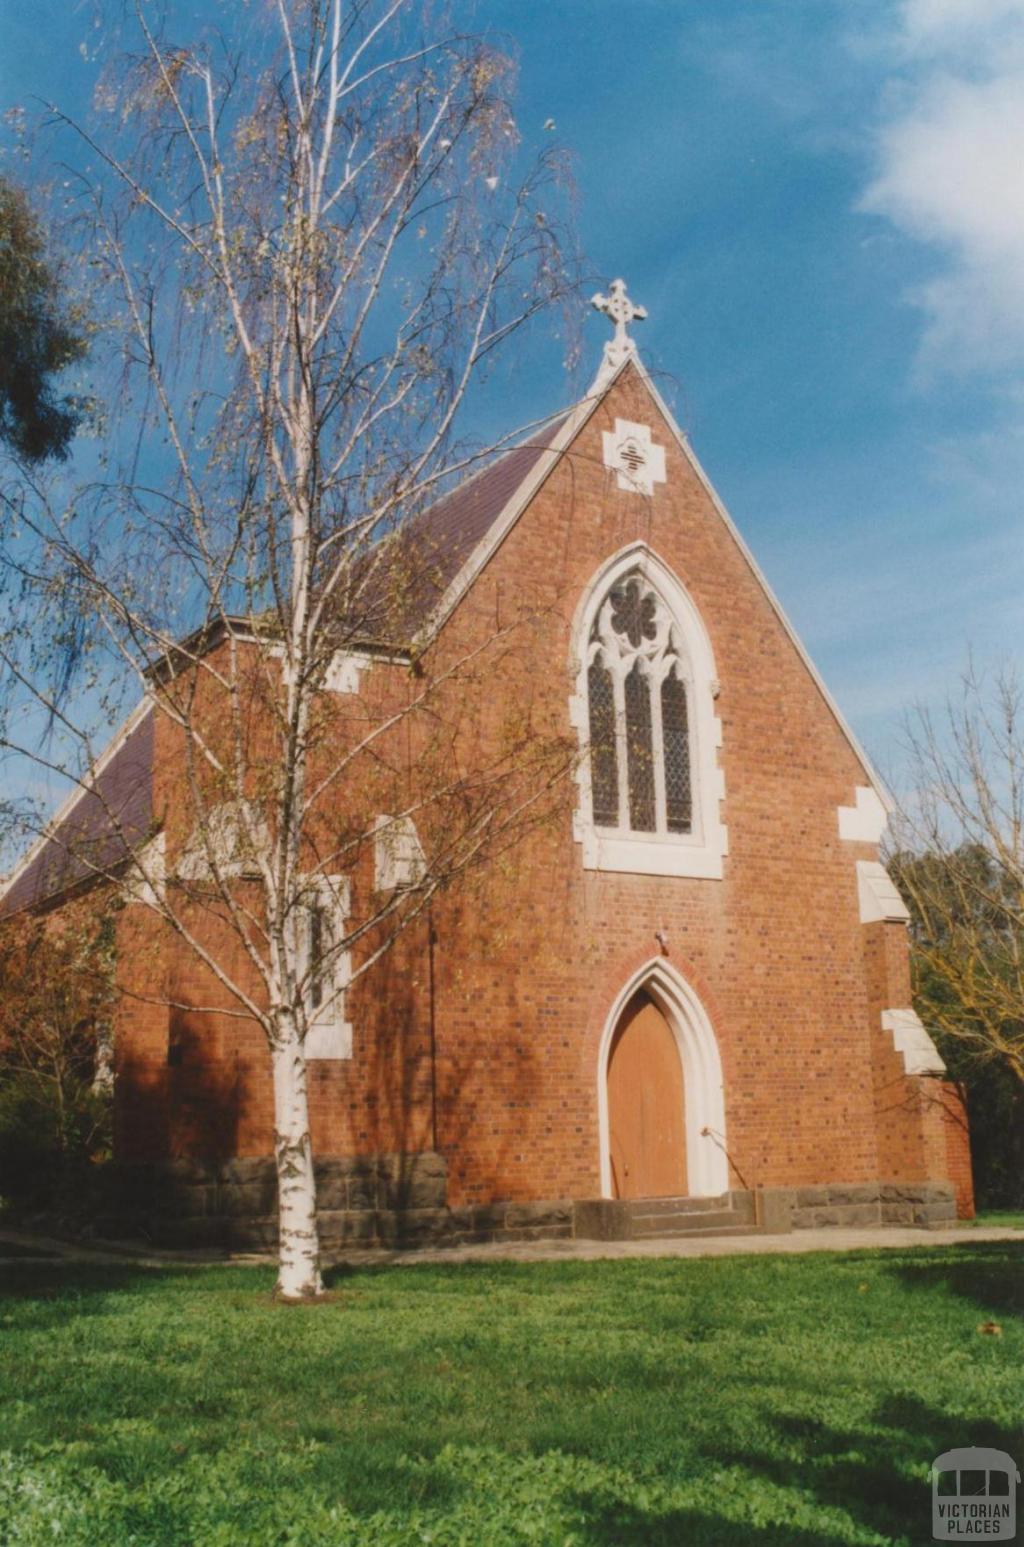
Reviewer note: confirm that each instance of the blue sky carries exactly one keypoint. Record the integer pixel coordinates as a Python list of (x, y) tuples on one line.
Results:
[(821, 204)]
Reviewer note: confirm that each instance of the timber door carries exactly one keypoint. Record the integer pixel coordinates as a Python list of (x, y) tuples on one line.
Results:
[(646, 1124)]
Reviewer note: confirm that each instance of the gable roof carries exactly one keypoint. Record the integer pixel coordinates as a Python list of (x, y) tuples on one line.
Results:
[(426, 552), (445, 547), (97, 827), (424, 556), (450, 530)]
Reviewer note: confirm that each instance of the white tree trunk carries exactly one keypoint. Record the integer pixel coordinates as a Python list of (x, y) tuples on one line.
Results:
[(299, 1267)]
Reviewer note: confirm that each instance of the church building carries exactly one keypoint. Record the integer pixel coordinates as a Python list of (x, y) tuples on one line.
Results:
[(681, 1004)]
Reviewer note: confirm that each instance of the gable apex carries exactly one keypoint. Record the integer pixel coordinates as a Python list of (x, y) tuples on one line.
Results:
[(683, 442), (568, 427)]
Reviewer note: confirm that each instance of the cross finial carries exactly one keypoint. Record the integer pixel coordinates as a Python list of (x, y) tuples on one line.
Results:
[(620, 310)]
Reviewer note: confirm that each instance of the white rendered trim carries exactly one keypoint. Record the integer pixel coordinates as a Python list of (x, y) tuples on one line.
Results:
[(631, 453), (878, 896), (920, 1055), (866, 820), (707, 1169), (513, 509), (345, 670), (699, 853)]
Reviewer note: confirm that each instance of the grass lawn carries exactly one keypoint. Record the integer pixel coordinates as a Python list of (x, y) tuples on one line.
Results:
[(744, 1400), (1012, 1218)]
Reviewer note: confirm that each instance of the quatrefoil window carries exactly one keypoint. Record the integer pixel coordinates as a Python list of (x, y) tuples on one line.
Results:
[(634, 612)]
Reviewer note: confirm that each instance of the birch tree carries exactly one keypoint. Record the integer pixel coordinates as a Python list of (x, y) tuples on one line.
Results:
[(310, 242)]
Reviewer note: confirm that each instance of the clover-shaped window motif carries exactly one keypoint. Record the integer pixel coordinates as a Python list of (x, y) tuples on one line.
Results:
[(634, 612)]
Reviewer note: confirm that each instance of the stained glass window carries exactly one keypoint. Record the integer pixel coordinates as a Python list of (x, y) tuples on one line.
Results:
[(675, 739), (639, 715), (604, 771), (639, 751)]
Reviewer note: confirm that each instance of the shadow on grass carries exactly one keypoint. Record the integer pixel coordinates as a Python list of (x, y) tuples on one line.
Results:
[(869, 1471), (988, 1273), (623, 1524), (12, 1251), (46, 1294), (35, 1280)]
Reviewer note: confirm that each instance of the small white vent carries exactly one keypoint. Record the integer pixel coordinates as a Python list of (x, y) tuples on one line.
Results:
[(630, 452), (632, 455)]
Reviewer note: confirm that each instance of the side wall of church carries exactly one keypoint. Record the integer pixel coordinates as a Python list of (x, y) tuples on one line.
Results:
[(921, 1120)]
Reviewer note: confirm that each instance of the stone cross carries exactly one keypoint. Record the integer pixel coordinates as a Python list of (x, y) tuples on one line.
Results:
[(620, 310)]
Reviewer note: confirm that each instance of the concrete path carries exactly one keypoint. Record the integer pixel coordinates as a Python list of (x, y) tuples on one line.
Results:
[(700, 1246), (20, 1247)]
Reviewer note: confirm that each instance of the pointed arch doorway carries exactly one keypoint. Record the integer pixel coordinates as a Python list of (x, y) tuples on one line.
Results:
[(660, 1097), (646, 1105)]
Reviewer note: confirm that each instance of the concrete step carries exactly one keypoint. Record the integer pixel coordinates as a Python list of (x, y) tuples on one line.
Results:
[(690, 1233), (678, 1205), (679, 1220), (634, 1219)]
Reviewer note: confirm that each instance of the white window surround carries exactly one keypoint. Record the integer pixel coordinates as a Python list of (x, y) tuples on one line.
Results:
[(344, 671), (920, 1055), (233, 833), (707, 1168), (328, 1034), (700, 852), (398, 858)]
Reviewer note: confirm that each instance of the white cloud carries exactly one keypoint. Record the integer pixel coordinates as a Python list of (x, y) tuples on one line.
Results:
[(940, 23), (950, 172)]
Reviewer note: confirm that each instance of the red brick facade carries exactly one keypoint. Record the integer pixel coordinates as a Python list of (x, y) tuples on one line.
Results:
[(485, 1044)]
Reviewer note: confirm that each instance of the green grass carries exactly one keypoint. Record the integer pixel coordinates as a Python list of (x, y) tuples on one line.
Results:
[(1011, 1218), (789, 1399)]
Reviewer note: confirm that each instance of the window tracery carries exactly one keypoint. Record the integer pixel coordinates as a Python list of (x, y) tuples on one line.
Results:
[(640, 756), (644, 707)]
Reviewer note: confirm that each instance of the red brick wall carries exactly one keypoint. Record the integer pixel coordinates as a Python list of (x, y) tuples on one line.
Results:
[(531, 952), (958, 1148)]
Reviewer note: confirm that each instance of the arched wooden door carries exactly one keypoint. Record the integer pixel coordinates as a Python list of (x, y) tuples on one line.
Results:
[(646, 1123)]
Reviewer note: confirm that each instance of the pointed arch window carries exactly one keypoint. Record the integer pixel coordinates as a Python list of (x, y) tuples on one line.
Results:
[(324, 966), (640, 756), (650, 784)]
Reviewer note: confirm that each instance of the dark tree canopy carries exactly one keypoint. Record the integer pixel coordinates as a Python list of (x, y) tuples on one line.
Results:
[(37, 338), (967, 943)]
